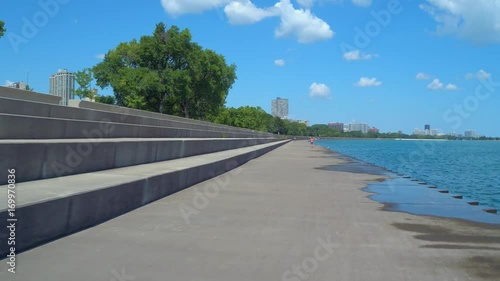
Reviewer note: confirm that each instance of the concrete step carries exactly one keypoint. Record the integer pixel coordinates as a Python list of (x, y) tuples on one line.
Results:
[(121, 115), (142, 113), (43, 159), (53, 208), (13, 126), (12, 93)]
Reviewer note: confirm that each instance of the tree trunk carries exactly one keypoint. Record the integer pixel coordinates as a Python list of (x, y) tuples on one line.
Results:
[(185, 110), (162, 103)]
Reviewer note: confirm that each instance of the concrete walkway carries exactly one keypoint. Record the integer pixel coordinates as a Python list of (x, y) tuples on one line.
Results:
[(274, 218)]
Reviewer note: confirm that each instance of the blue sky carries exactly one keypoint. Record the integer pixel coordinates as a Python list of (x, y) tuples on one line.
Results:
[(395, 65)]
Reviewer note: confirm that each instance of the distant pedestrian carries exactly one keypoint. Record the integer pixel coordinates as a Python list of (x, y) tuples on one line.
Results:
[(311, 141)]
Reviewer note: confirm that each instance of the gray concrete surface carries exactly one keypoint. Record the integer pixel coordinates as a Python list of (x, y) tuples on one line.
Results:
[(140, 113), (30, 108), (277, 217), (43, 159), (7, 92), (76, 202), (33, 127)]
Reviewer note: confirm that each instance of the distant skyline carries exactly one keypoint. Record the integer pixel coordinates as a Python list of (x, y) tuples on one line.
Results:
[(396, 65)]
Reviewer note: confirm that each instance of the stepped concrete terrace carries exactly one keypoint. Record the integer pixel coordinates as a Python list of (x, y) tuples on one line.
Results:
[(84, 164), (50, 158), (21, 119), (287, 215), (8, 92)]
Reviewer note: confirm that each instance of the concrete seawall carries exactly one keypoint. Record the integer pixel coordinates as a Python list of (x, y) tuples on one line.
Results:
[(76, 167), (283, 216), (44, 159), (14, 93), (74, 203)]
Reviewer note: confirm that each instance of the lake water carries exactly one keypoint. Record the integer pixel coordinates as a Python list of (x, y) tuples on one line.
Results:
[(468, 168)]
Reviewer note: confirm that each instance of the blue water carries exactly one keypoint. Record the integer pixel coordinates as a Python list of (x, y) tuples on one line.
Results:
[(468, 168)]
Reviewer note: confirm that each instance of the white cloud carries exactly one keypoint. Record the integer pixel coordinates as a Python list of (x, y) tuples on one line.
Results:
[(319, 90), (481, 75), (179, 7), (8, 83), (435, 85), (245, 12), (100, 56), (477, 21), (423, 76), (306, 3), (302, 24), (279, 62), (452, 87), (368, 82), (357, 55), (362, 3)]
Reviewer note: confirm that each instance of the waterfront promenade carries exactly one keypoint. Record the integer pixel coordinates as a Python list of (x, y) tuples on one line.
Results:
[(278, 217)]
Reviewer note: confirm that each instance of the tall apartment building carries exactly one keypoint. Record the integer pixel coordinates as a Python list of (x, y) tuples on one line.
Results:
[(62, 84), (427, 129), (470, 134), (279, 108), (361, 127), (337, 126)]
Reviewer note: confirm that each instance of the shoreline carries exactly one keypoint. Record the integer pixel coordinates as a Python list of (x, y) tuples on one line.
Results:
[(373, 188), (403, 139), (267, 221)]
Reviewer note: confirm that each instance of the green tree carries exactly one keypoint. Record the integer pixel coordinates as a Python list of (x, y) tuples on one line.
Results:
[(2, 28), (28, 88), (297, 129), (83, 79), (105, 99), (171, 73), (277, 126), (254, 118), (135, 101)]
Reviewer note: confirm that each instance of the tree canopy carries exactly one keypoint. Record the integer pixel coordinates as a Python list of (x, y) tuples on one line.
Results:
[(168, 73), (254, 118), (105, 99), (83, 79), (2, 28)]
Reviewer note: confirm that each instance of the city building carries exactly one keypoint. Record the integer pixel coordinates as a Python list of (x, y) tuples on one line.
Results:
[(434, 132), (418, 132), (18, 85), (337, 126), (346, 128), (373, 130), (470, 134), (360, 127), (62, 84), (279, 108)]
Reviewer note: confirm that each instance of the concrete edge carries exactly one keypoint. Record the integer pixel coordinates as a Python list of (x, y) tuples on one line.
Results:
[(34, 127), (45, 222), (24, 95), (101, 112), (45, 160)]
